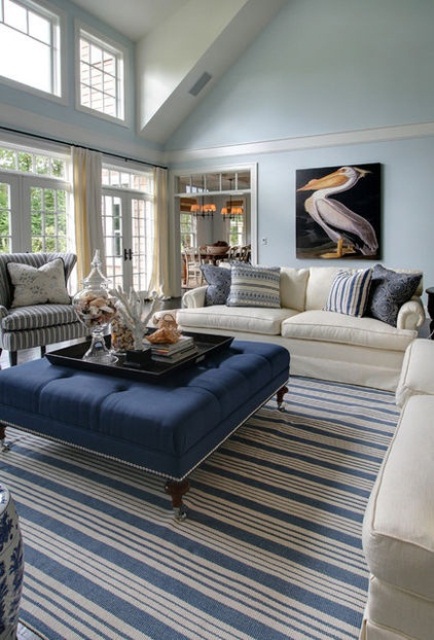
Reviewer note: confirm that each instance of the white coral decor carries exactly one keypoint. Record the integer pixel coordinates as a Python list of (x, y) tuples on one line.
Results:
[(131, 309)]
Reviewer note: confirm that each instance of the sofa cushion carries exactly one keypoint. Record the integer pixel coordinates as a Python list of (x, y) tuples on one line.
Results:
[(38, 286), (327, 326), (318, 286), (219, 284), (389, 291), (349, 293), (254, 287), (398, 536), (244, 319), (293, 287)]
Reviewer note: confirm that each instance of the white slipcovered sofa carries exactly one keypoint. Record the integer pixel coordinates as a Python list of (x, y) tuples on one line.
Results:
[(398, 528), (323, 344)]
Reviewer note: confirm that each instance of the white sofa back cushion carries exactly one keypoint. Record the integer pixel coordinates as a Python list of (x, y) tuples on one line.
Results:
[(293, 288), (318, 286)]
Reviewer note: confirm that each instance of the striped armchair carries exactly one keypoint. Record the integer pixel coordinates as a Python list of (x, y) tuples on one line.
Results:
[(36, 325)]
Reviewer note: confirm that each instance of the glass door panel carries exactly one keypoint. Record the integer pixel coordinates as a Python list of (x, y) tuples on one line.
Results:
[(5, 218), (48, 218), (142, 237), (113, 240), (129, 237)]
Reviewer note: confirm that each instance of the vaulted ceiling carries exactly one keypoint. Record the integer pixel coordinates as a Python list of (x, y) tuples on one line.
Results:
[(182, 48)]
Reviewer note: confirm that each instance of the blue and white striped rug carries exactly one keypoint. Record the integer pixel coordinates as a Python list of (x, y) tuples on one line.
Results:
[(271, 549)]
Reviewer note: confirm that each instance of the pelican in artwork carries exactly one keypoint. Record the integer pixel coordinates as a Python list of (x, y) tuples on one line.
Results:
[(351, 232)]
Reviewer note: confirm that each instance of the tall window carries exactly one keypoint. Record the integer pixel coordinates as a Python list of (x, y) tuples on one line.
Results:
[(188, 230), (34, 201), (101, 76), (30, 45), (236, 231)]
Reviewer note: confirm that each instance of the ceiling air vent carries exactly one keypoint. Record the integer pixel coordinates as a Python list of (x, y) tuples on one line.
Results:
[(199, 85)]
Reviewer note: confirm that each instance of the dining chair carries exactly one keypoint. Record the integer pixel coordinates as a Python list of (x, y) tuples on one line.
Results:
[(193, 265)]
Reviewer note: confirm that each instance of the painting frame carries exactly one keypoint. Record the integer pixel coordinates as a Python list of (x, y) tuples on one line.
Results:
[(338, 212)]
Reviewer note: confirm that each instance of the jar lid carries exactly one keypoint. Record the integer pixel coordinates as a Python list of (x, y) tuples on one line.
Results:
[(95, 279)]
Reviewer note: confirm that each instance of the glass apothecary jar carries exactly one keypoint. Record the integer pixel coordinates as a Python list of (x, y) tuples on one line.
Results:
[(95, 309)]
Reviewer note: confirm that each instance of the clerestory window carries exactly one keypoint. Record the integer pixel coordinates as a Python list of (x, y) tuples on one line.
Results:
[(30, 45), (101, 76)]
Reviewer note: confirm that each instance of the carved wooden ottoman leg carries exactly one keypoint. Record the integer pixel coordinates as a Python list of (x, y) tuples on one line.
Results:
[(279, 395), (176, 490)]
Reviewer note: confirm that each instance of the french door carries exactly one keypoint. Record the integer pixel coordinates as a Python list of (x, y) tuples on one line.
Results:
[(33, 214), (128, 227)]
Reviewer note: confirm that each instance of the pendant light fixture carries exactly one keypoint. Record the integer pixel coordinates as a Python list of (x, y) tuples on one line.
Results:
[(233, 207)]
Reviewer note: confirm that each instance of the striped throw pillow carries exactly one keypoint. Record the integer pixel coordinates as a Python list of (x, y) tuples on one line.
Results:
[(254, 287), (349, 293)]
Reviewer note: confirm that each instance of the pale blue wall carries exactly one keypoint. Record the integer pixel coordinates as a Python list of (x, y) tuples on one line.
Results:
[(325, 67)]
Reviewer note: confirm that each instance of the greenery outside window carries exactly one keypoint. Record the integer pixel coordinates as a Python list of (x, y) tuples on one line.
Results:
[(188, 224), (101, 76), (34, 201), (30, 45)]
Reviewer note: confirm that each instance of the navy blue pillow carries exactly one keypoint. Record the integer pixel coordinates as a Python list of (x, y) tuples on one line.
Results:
[(389, 291), (219, 284)]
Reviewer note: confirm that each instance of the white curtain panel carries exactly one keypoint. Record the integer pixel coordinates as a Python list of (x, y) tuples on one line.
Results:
[(159, 281), (87, 208)]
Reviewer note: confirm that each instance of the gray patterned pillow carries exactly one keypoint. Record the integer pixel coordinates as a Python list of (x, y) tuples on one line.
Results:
[(254, 287), (38, 286), (389, 291), (219, 284)]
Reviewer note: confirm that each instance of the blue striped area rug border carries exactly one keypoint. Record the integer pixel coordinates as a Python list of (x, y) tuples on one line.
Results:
[(271, 549)]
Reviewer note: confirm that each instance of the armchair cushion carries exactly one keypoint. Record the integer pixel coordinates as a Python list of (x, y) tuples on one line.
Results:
[(38, 316), (42, 285)]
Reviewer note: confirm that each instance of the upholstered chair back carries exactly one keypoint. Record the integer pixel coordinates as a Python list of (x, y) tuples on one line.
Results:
[(34, 260)]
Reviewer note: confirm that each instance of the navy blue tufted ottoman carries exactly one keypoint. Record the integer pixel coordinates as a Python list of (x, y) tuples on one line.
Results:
[(167, 427)]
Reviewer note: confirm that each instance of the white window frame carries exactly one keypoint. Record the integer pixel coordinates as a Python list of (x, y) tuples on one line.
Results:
[(115, 49), (127, 194), (24, 181), (58, 58)]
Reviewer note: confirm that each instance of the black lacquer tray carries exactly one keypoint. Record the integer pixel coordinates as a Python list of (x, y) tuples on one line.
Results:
[(72, 356)]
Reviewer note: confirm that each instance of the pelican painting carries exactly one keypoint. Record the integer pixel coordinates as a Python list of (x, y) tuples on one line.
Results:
[(350, 233)]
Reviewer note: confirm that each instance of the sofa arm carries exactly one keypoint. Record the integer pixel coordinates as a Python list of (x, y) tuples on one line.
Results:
[(411, 315), (3, 311), (194, 298)]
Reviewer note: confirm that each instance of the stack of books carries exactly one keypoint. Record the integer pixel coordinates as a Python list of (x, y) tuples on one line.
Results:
[(184, 348)]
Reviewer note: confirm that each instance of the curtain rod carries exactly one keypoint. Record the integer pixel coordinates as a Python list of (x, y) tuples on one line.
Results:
[(81, 146)]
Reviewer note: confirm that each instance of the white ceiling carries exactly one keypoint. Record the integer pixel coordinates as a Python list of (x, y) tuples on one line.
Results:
[(133, 18)]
